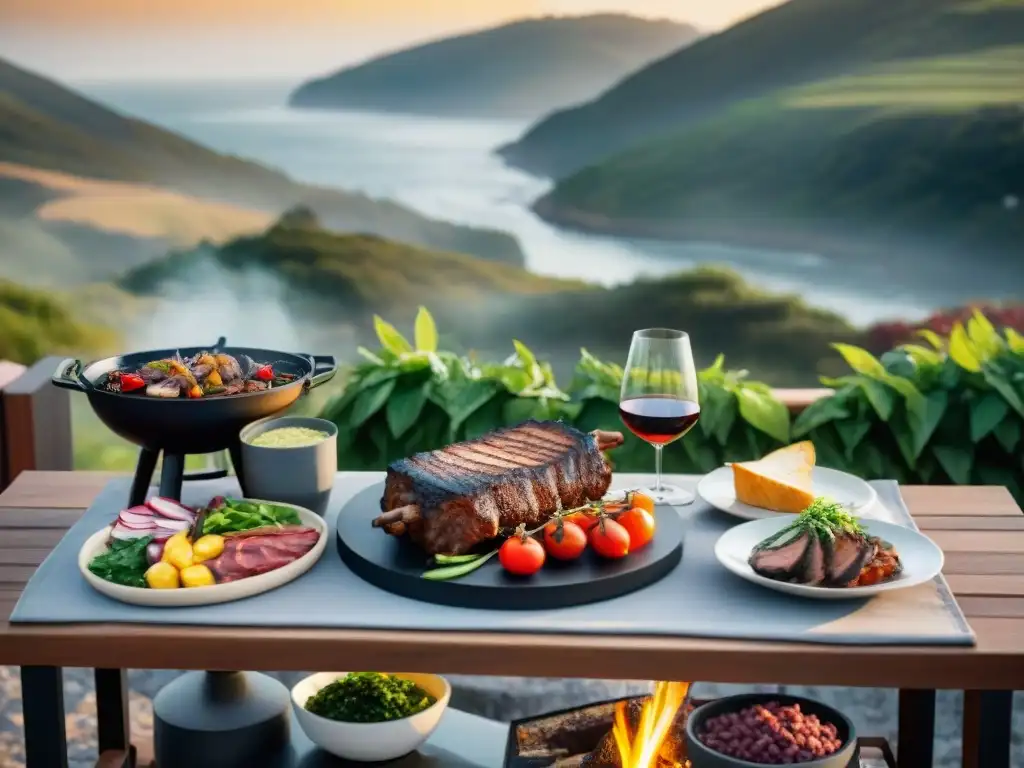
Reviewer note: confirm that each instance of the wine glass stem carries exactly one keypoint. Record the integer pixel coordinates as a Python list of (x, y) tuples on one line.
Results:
[(657, 468)]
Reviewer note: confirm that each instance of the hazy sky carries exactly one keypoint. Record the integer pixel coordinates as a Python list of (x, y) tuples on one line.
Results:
[(183, 39)]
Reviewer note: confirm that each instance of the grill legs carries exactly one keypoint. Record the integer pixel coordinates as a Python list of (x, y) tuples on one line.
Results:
[(143, 476), (172, 474)]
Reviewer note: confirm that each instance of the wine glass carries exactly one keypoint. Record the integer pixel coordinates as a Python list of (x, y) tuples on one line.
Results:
[(658, 401)]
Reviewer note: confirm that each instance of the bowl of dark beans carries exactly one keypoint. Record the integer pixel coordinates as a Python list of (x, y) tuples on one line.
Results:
[(754, 729)]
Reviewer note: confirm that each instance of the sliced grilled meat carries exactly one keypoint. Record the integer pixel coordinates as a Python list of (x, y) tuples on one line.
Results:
[(784, 559), (850, 553), (450, 500)]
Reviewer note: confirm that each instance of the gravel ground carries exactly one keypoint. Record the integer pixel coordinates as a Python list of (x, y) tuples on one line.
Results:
[(499, 698)]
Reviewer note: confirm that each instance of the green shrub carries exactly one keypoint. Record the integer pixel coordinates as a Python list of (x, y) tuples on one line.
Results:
[(951, 411), (410, 397), (948, 411)]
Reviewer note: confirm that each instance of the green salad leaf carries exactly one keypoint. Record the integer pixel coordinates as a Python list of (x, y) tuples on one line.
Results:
[(125, 563), (229, 515)]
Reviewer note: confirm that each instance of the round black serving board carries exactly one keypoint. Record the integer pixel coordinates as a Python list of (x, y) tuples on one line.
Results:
[(397, 565)]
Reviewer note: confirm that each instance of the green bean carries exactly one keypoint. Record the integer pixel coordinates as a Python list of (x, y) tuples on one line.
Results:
[(454, 559), (456, 571)]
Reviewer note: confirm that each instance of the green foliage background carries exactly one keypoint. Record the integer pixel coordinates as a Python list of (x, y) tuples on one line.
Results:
[(945, 411)]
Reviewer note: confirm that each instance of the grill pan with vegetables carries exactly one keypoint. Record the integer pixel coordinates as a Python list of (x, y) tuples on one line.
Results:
[(190, 400)]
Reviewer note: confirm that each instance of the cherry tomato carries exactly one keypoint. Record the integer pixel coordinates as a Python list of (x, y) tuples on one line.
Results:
[(265, 373), (609, 539), (521, 555), (582, 519), (131, 381), (564, 540), (642, 501), (639, 524)]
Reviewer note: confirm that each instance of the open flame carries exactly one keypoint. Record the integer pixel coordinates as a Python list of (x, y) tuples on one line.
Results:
[(656, 718)]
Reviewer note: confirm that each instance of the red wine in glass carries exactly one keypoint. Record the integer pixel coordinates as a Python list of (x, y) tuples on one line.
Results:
[(658, 401), (659, 419)]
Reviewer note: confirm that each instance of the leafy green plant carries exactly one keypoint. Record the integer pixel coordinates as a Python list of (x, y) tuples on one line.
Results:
[(408, 397), (943, 411), (411, 396)]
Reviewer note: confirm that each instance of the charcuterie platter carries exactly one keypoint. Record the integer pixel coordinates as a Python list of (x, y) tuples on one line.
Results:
[(165, 554), (518, 519)]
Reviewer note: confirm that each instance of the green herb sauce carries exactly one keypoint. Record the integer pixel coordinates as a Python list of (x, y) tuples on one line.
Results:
[(369, 697)]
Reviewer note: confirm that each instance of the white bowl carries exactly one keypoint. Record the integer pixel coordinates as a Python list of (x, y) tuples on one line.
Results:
[(370, 742)]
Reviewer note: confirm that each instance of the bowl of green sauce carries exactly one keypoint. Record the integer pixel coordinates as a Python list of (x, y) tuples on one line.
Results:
[(292, 459), (370, 716)]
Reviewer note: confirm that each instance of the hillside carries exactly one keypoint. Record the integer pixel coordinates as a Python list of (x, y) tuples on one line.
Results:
[(795, 44), (49, 127), (324, 279), (34, 324), (334, 277), (920, 160), (523, 69)]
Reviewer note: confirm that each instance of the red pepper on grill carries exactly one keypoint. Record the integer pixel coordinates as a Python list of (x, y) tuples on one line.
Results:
[(265, 373), (131, 381)]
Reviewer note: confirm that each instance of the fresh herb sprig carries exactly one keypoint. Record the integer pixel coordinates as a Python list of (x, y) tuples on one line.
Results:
[(825, 518)]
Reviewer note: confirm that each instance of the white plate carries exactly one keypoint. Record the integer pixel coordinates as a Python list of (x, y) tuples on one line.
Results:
[(718, 490), (921, 558), (218, 593)]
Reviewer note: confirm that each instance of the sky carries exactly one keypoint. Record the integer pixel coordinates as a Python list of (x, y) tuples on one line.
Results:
[(259, 39)]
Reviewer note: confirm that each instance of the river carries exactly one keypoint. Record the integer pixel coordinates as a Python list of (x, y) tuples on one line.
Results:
[(446, 168)]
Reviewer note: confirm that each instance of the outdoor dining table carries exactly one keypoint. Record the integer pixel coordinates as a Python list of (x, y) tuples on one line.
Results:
[(981, 530)]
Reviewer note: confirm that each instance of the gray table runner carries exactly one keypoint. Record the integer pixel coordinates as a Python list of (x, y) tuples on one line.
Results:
[(698, 599)]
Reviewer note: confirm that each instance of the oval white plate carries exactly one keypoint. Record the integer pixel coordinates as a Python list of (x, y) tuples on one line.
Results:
[(218, 593), (718, 490), (921, 557)]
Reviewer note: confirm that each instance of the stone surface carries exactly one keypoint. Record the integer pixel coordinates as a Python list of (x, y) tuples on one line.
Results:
[(499, 698)]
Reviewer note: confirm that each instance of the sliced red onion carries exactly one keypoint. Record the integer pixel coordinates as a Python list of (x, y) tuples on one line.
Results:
[(171, 525), (133, 519), (121, 532), (135, 526), (140, 509), (170, 508), (155, 550)]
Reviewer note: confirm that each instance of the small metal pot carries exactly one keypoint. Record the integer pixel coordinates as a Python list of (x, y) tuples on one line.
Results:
[(303, 476)]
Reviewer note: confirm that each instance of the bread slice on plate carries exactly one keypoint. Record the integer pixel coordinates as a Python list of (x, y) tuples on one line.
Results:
[(780, 481)]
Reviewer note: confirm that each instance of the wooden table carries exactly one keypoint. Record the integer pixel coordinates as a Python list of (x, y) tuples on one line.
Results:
[(981, 530)]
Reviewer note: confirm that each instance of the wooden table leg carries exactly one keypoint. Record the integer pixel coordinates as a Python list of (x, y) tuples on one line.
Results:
[(113, 723), (988, 729), (42, 704), (916, 738)]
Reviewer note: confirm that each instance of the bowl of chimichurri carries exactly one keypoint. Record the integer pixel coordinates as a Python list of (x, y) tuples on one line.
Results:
[(292, 459)]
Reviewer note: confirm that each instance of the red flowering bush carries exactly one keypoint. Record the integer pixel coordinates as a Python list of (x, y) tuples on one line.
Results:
[(885, 336)]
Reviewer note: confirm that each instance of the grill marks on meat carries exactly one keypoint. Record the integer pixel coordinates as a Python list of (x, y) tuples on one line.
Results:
[(847, 560), (450, 500), (256, 551)]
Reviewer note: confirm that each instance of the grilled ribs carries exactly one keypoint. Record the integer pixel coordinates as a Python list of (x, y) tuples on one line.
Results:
[(450, 500)]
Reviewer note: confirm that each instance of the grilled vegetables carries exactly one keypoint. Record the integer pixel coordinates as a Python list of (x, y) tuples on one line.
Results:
[(825, 546), (452, 499)]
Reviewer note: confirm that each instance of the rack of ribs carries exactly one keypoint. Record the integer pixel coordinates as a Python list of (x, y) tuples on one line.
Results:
[(449, 500)]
